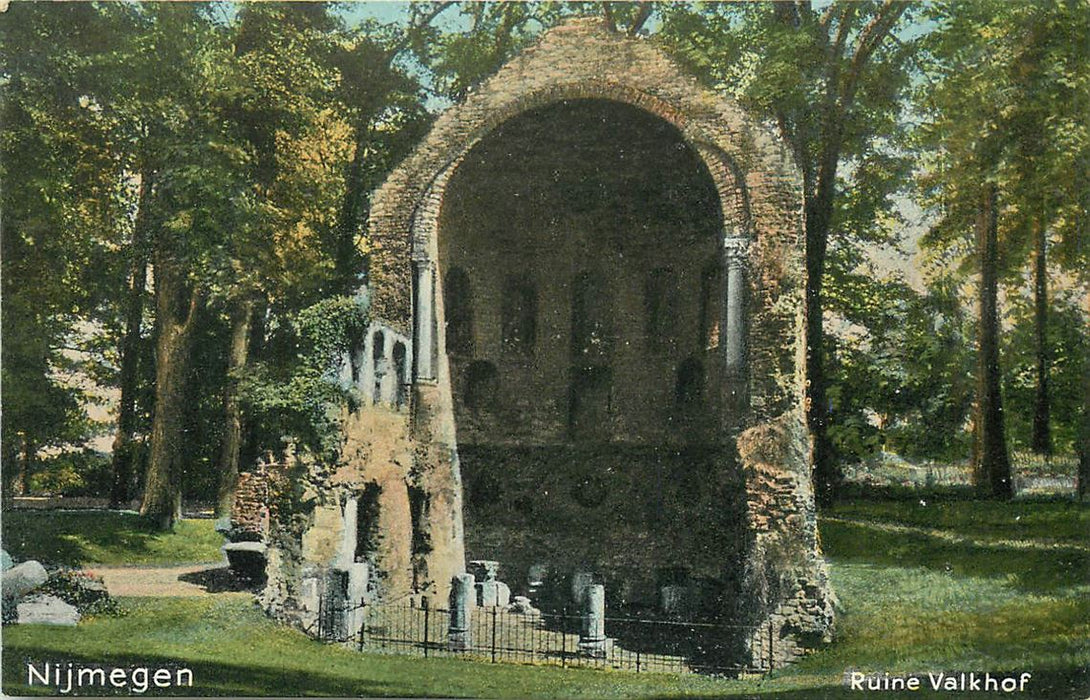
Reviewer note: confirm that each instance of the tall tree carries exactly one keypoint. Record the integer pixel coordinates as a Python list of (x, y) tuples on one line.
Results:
[(1004, 119), (991, 464), (201, 201), (124, 444), (62, 200), (830, 77), (282, 78)]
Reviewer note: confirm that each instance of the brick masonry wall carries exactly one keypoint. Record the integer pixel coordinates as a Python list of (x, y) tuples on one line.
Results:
[(250, 514)]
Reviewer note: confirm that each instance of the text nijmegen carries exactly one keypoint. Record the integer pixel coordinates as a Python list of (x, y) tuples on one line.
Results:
[(65, 677)]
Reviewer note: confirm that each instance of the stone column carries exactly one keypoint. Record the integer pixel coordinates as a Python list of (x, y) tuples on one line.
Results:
[(736, 248), (424, 330), (389, 379), (592, 636), (359, 574), (462, 593), (347, 554), (367, 374)]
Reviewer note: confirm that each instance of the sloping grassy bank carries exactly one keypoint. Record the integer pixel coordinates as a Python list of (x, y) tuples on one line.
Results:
[(108, 538)]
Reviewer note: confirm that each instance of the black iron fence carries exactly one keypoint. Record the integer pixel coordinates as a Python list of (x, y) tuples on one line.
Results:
[(504, 636)]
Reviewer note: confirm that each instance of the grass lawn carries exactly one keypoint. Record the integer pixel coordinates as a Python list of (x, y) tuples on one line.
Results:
[(106, 538), (913, 600)]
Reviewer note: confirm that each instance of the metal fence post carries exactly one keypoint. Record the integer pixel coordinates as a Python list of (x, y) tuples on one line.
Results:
[(493, 634), (363, 625), (563, 640), (427, 612), (770, 645)]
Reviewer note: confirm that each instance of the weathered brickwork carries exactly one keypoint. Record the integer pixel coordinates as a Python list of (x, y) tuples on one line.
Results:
[(724, 490), (785, 577), (250, 514)]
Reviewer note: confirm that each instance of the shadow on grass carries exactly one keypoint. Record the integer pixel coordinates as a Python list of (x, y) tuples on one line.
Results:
[(72, 538), (219, 579), (1051, 520), (209, 678), (1044, 570)]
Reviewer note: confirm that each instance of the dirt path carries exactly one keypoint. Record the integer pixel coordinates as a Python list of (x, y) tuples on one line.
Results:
[(187, 581)]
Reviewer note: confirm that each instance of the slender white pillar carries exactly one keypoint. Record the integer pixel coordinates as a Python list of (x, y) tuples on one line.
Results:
[(367, 375), (423, 333), (736, 248), (592, 635), (389, 379), (347, 554), (462, 598)]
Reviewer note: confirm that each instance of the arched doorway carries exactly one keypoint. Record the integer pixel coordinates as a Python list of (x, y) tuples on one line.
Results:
[(590, 234)]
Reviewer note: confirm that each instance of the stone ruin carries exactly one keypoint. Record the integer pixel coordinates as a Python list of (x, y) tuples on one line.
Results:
[(585, 361)]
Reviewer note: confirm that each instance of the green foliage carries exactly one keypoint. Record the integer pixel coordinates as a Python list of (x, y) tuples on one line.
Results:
[(460, 60), (1005, 103), (83, 590), (296, 395), (83, 473), (899, 365), (61, 196), (1069, 348)]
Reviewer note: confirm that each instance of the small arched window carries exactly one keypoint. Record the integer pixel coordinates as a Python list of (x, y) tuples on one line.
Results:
[(592, 319), (458, 305), (659, 307), (401, 370), (378, 360)]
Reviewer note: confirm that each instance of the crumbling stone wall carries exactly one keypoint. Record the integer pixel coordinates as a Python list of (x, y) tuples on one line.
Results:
[(786, 581), (250, 513), (404, 463)]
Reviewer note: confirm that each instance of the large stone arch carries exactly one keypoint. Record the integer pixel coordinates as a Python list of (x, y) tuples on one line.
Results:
[(780, 592)]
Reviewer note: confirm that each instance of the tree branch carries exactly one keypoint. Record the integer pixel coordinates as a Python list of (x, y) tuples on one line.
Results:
[(607, 14), (872, 36), (842, 29), (641, 19), (869, 40), (827, 16), (410, 32)]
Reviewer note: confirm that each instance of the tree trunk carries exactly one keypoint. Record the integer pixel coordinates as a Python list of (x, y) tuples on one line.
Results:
[(1042, 436), (353, 212), (991, 465), (250, 449), (819, 214), (241, 313), (123, 446), (22, 477), (176, 305), (7, 476), (1083, 438)]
